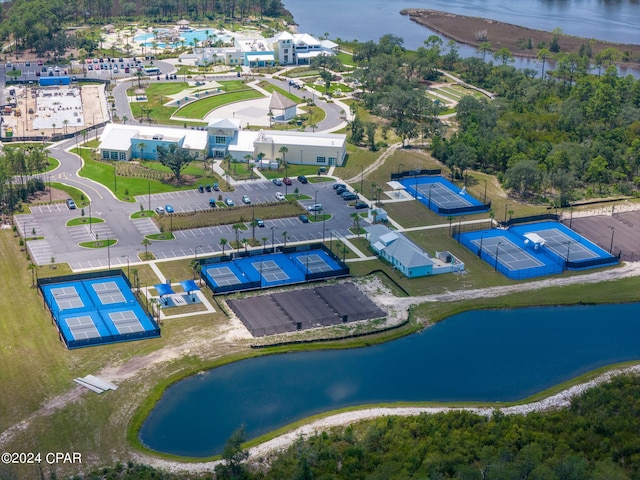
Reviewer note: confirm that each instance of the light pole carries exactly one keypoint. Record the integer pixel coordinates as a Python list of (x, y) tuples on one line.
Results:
[(128, 271), (613, 231), (430, 187), (480, 251), (50, 189), (361, 178), (149, 192), (195, 253), (273, 239), (506, 205), (315, 206), (400, 165), (415, 176), (497, 249), (460, 227), (90, 228), (324, 219), (566, 262), (485, 192), (108, 254)]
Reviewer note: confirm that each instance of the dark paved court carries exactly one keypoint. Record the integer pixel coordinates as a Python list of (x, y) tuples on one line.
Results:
[(618, 233), (303, 309)]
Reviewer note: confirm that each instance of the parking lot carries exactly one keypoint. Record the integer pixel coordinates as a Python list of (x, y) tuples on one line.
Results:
[(60, 243)]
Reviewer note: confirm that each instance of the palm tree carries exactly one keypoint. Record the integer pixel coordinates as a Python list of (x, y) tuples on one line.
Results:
[(141, 147), (65, 122), (284, 239), (542, 54), (254, 224), (146, 242), (356, 222), (283, 150), (236, 228), (264, 243), (223, 242), (245, 242)]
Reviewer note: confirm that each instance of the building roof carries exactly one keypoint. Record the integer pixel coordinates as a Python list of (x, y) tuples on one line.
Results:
[(310, 139), (280, 102), (224, 123), (376, 231), (119, 137), (397, 246), (305, 39), (407, 253), (281, 36)]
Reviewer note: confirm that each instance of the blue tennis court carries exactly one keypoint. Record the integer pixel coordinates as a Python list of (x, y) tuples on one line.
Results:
[(259, 270), (442, 196), (90, 310), (535, 249)]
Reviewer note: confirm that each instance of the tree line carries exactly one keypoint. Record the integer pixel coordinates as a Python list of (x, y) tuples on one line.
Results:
[(40, 26), (557, 136), (19, 174)]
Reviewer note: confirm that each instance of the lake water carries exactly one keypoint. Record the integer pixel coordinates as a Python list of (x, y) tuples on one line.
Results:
[(612, 20), (501, 355)]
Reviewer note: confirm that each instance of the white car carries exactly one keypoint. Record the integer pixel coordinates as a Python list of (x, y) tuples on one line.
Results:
[(246, 200), (279, 196), (160, 210), (229, 202)]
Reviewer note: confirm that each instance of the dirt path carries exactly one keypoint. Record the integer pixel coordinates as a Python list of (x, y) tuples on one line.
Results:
[(381, 159)]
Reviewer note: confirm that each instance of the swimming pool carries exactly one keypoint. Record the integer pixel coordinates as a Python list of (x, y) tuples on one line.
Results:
[(189, 37)]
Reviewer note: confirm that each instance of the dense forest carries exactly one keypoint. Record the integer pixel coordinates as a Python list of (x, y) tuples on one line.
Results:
[(563, 135), (596, 438)]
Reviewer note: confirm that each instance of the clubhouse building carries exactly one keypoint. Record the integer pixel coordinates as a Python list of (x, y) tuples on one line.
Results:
[(220, 138), (256, 51)]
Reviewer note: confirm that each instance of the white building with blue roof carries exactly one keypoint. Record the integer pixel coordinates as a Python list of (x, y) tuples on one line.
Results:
[(406, 256)]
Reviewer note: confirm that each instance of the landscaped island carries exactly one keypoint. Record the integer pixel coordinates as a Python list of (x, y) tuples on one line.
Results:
[(475, 30)]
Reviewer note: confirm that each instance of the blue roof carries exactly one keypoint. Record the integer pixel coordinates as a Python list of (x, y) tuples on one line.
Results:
[(189, 286), (163, 289)]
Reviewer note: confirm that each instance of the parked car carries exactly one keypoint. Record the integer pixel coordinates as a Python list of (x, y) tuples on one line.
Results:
[(286, 181), (71, 205), (341, 190), (302, 179), (339, 185), (212, 202), (280, 196), (360, 205), (304, 218), (349, 196), (160, 210), (260, 222), (168, 208), (229, 202), (277, 182), (317, 207), (246, 200), (200, 188), (208, 188), (216, 187)]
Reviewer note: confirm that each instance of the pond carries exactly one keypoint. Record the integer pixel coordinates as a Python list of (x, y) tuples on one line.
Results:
[(482, 356)]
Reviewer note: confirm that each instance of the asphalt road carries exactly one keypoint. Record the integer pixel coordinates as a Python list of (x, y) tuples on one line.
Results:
[(60, 242)]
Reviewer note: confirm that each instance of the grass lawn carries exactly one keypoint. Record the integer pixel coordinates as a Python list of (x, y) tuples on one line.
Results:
[(270, 87), (128, 187), (200, 108)]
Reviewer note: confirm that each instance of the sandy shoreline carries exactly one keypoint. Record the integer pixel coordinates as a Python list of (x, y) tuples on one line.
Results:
[(259, 453), (463, 30)]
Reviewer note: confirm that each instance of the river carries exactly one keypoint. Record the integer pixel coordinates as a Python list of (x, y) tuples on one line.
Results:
[(492, 355), (611, 20)]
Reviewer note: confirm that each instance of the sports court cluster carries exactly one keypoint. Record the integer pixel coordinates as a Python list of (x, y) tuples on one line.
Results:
[(96, 308), (284, 266), (535, 249)]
